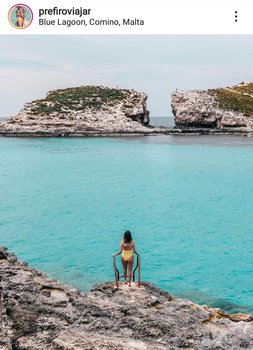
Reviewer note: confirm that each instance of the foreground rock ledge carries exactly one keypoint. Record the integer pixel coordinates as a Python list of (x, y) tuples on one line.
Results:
[(39, 313)]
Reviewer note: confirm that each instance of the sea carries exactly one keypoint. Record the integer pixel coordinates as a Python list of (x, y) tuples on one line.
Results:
[(188, 201)]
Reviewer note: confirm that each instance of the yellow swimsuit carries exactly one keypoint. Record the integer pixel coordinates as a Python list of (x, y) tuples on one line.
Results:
[(127, 254)]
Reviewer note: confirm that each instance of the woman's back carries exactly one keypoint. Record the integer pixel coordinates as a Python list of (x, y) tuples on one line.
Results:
[(127, 246)]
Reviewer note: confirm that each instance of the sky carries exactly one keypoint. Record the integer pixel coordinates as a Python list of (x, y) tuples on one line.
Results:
[(154, 64)]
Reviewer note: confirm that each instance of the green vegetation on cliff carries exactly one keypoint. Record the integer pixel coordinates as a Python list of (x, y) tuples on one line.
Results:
[(77, 98), (237, 98), (244, 88)]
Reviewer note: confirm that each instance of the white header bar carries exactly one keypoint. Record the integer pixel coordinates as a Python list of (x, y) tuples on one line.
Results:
[(127, 17)]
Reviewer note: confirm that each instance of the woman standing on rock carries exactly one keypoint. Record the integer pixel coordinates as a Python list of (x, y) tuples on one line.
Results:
[(127, 249)]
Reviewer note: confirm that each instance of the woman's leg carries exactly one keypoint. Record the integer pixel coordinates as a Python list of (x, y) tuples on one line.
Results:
[(124, 263), (130, 269)]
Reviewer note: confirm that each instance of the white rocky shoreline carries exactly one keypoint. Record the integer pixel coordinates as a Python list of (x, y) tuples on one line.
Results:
[(39, 313), (151, 131)]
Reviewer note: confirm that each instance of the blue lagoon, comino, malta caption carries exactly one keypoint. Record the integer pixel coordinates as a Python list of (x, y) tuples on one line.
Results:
[(91, 22)]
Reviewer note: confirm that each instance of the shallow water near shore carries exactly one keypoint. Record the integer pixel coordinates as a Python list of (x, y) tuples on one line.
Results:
[(187, 199)]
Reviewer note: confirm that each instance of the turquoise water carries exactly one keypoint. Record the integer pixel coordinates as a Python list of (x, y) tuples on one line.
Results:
[(187, 200)]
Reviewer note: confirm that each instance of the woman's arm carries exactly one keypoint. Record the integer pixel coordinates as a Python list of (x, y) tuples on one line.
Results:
[(134, 249), (120, 250)]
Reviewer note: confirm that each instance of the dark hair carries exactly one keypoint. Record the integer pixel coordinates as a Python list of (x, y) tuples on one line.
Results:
[(127, 238), (22, 11)]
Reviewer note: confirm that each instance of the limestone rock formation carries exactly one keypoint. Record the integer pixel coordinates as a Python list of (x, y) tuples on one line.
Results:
[(223, 109), (81, 111), (39, 313)]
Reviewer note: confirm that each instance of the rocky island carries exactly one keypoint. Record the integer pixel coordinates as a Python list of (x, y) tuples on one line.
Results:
[(102, 111), (215, 111), (39, 313), (82, 111)]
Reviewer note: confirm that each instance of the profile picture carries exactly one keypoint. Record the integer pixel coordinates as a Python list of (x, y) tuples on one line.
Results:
[(20, 16)]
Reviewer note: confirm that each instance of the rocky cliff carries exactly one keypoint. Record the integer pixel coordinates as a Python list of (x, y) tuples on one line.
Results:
[(39, 313), (224, 109), (81, 111)]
